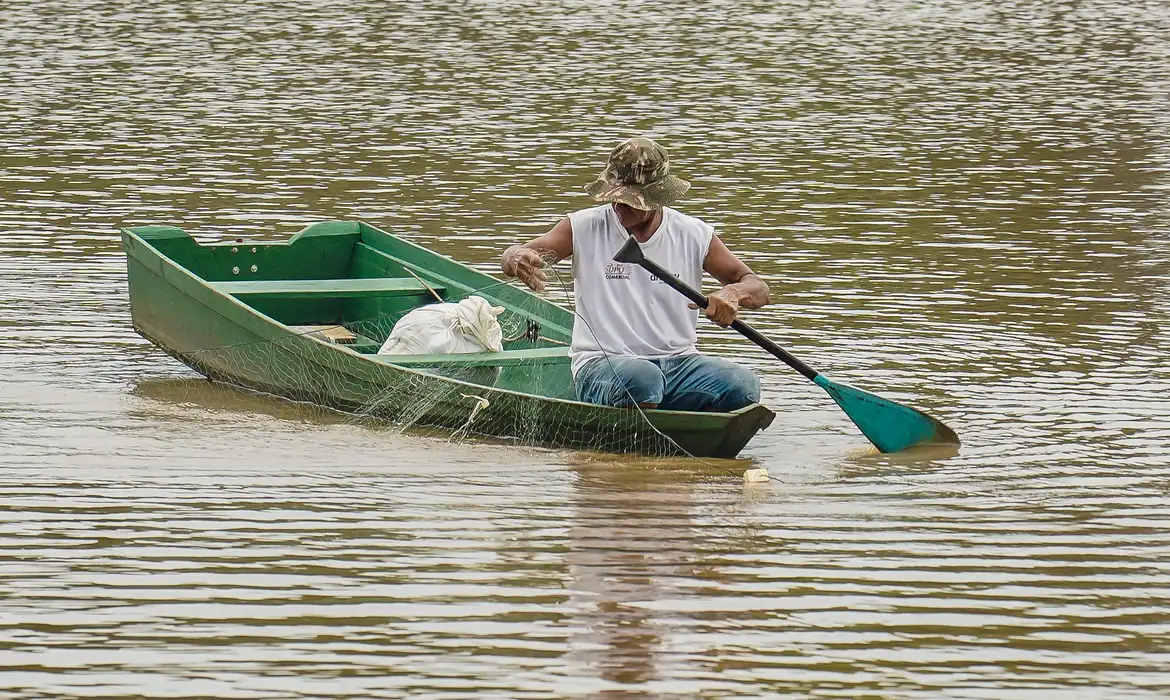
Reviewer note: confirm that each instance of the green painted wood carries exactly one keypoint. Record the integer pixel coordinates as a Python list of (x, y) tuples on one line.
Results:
[(229, 339), (329, 229), (371, 262), (319, 251), (301, 257), (332, 288), (507, 358), (155, 234)]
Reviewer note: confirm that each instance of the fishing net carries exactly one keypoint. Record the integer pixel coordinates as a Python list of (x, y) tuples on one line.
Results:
[(527, 399)]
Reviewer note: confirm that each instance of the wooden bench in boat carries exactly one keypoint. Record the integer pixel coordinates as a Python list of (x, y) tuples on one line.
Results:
[(506, 358), (332, 289)]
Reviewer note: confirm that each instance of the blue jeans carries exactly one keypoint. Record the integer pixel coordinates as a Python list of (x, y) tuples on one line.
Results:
[(683, 383)]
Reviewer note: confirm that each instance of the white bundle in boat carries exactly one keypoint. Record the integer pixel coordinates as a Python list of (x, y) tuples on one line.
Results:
[(447, 329)]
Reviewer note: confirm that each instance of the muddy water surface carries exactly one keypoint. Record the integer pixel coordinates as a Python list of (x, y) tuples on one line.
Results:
[(962, 205)]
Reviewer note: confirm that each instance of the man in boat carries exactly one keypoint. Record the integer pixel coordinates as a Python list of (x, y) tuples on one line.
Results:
[(634, 337)]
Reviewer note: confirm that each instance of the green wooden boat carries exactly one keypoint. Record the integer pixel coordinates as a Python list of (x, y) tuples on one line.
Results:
[(303, 319)]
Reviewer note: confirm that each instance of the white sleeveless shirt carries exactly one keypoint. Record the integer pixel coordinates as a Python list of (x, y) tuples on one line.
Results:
[(621, 309)]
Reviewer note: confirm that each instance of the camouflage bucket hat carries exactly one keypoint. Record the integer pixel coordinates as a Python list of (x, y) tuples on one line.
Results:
[(638, 174)]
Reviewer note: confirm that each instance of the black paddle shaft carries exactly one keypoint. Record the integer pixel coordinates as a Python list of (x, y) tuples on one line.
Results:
[(632, 252)]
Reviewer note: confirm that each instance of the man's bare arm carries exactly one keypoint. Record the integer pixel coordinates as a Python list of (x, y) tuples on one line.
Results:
[(724, 266)]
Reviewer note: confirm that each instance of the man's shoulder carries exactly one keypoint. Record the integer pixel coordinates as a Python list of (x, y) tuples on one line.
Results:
[(692, 227), (591, 218), (598, 211), (686, 219)]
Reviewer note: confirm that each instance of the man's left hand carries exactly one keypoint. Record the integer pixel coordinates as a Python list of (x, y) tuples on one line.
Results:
[(722, 306)]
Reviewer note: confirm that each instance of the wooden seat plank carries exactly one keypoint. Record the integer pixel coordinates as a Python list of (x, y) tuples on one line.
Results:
[(504, 358), (334, 288)]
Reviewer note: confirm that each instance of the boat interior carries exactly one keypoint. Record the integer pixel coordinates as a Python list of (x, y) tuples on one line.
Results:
[(347, 283)]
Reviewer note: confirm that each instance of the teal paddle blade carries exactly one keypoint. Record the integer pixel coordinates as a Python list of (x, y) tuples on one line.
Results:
[(890, 426)]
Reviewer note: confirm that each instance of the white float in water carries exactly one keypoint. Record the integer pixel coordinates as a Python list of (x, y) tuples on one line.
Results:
[(755, 476)]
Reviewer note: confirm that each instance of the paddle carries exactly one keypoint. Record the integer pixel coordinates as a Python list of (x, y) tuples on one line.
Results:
[(888, 425)]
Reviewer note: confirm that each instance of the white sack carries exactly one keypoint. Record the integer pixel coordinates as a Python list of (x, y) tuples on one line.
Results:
[(447, 329)]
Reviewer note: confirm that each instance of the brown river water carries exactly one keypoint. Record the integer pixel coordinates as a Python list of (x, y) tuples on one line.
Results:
[(963, 205)]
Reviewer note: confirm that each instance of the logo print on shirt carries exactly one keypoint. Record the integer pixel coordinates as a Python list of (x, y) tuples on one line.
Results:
[(616, 271)]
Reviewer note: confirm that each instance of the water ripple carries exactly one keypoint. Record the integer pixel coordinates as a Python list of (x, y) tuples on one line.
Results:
[(961, 205)]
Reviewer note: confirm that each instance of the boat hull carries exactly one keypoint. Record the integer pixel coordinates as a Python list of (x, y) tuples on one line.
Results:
[(227, 340)]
